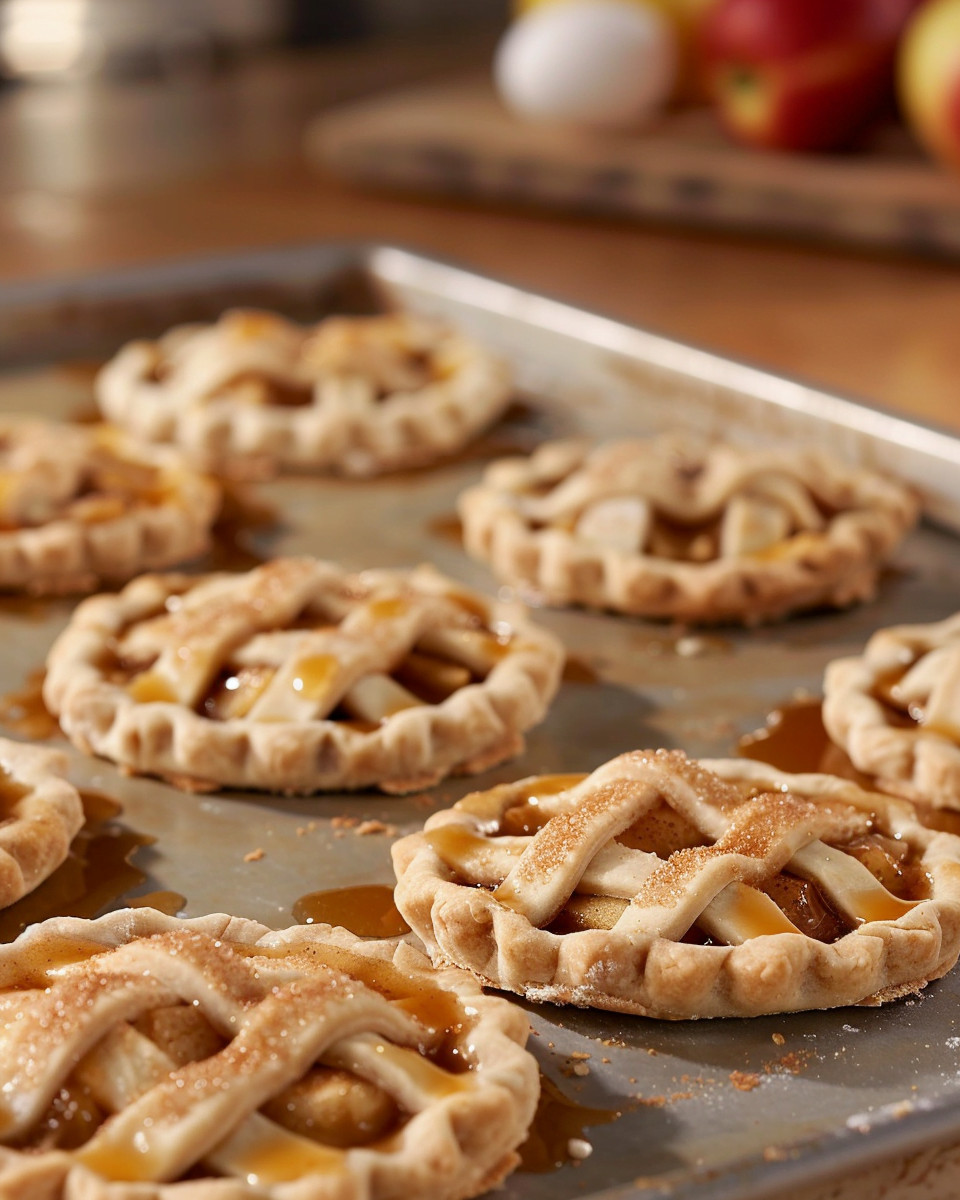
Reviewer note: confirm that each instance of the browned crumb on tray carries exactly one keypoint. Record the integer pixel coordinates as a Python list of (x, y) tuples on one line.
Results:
[(745, 1081), (254, 855)]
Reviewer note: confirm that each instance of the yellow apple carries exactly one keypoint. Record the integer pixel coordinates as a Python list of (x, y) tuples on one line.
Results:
[(686, 16), (928, 78)]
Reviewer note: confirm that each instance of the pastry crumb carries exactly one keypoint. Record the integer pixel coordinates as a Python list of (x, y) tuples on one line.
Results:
[(344, 822), (578, 1149), (579, 1055), (745, 1081), (365, 828), (255, 855), (778, 1039), (581, 1069)]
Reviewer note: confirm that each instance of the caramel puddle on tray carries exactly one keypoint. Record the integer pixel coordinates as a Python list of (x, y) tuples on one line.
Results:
[(367, 910), (447, 528), (97, 871), (163, 901), (242, 516), (794, 740), (578, 670), (24, 712), (558, 1121)]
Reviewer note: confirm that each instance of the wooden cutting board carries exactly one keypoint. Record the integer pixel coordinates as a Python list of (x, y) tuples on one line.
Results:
[(456, 139)]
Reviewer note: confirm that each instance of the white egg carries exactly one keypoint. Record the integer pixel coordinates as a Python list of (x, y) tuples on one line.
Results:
[(588, 62)]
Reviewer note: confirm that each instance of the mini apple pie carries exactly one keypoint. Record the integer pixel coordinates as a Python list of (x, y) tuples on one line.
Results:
[(254, 393), (299, 677), (40, 814), (81, 506), (668, 527), (677, 889), (138, 1051), (896, 711)]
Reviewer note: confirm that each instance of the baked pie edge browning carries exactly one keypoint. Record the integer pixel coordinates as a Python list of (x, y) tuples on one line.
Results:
[(343, 429), (68, 554), (837, 565), (458, 1129), (905, 756), (471, 729), (643, 967), (40, 814)]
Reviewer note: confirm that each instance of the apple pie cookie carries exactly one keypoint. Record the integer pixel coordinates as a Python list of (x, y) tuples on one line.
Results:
[(146, 1056), (40, 815), (81, 506), (668, 527), (300, 676), (677, 889), (896, 711), (254, 393)]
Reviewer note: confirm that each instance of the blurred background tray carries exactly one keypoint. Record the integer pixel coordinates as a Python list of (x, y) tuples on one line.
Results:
[(456, 139)]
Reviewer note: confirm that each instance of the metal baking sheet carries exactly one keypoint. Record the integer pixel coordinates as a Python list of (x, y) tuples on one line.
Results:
[(710, 1110)]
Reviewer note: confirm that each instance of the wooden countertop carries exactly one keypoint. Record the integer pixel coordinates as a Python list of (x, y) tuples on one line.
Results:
[(98, 175), (95, 175)]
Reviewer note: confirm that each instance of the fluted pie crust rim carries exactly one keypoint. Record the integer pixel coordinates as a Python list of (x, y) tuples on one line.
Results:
[(460, 1143), (836, 565), (40, 815), (919, 763), (188, 388), (639, 970), (472, 729), (67, 555)]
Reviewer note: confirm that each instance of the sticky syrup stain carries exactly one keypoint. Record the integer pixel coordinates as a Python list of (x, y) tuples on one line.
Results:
[(97, 872), (447, 528), (244, 521), (32, 608), (578, 670), (558, 1121), (795, 740), (367, 910), (24, 712), (163, 901)]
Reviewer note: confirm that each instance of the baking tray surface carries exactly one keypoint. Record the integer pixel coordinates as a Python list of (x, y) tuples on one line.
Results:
[(709, 1110)]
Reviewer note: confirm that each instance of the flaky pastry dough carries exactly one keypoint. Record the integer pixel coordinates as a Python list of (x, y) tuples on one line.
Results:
[(82, 506), (255, 393), (148, 1058), (669, 527), (895, 710), (40, 814), (300, 676), (677, 889)]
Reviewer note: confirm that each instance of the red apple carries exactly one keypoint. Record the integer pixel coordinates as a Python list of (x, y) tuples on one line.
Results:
[(801, 74), (929, 78)]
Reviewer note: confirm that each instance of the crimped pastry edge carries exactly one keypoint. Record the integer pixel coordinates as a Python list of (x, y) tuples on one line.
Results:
[(922, 766), (35, 839)]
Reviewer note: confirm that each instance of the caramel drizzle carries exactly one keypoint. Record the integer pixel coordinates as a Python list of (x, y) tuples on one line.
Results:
[(324, 672), (715, 886), (133, 1145)]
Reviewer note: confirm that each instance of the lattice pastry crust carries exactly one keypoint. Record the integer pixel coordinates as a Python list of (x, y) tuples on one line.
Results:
[(138, 1049), (669, 527), (80, 506), (896, 710), (674, 889), (40, 814), (300, 676), (254, 393)]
